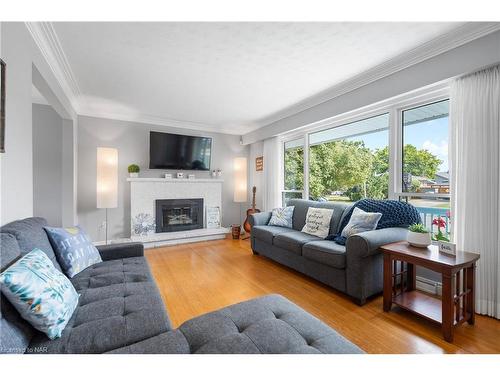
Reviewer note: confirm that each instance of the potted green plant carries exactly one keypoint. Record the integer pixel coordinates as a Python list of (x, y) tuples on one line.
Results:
[(133, 170), (418, 235)]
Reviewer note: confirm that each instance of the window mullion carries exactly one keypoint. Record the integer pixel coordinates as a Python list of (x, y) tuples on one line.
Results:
[(306, 168)]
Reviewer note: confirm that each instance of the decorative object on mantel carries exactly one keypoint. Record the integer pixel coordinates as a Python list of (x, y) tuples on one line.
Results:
[(219, 172), (168, 175), (107, 180), (447, 248), (213, 217), (236, 231), (133, 170), (191, 176), (2, 105), (240, 181), (180, 174), (418, 236), (259, 163), (214, 173), (143, 224)]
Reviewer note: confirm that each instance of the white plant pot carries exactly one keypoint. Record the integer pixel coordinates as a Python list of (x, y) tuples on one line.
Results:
[(419, 239), (134, 175)]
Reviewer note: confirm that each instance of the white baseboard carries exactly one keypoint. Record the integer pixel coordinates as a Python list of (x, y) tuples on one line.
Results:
[(429, 286)]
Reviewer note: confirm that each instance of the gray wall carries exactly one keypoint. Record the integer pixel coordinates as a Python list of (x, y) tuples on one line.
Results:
[(16, 164), (469, 57), (132, 141), (256, 178), (47, 164)]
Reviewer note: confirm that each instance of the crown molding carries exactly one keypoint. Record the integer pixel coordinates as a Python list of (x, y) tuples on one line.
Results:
[(48, 42), (46, 39), (163, 121), (455, 38)]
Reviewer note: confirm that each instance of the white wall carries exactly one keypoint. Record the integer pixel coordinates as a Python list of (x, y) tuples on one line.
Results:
[(17, 162), (47, 164), (132, 141), (26, 66)]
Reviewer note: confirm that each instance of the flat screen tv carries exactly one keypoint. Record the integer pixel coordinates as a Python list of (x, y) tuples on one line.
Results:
[(175, 151)]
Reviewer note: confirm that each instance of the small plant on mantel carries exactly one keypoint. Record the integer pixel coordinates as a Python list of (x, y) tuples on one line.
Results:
[(418, 235), (133, 170)]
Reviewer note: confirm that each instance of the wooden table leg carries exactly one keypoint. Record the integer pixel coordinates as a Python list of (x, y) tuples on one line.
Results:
[(447, 307), (387, 282), (471, 298), (411, 277)]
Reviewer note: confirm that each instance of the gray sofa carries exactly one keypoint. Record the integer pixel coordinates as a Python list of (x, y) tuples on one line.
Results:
[(120, 310), (355, 269)]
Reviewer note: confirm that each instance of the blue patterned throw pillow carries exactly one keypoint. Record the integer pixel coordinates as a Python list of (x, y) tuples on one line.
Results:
[(73, 248), (361, 221), (40, 293), (282, 217)]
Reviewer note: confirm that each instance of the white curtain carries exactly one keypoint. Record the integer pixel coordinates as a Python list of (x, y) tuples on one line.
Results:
[(475, 178), (272, 174)]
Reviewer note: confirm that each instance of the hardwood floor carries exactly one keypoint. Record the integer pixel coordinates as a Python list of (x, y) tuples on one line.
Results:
[(202, 277)]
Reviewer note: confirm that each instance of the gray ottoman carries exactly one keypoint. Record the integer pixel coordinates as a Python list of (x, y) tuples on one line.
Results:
[(270, 325)]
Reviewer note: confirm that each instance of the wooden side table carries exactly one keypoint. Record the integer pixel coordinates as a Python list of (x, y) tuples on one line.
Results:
[(457, 304)]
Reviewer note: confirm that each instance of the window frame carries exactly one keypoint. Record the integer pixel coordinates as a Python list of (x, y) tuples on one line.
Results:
[(399, 193), (284, 140), (394, 107)]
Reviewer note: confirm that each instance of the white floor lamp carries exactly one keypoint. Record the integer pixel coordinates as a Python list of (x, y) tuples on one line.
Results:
[(240, 182), (107, 180)]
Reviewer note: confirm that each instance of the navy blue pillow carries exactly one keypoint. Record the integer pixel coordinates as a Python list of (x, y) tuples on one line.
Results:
[(74, 249)]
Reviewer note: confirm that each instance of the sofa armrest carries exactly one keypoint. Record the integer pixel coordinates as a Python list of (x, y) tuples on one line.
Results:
[(367, 243), (121, 250), (260, 218)]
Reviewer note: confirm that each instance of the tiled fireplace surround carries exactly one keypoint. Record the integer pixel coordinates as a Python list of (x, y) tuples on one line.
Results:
[(144, 192)]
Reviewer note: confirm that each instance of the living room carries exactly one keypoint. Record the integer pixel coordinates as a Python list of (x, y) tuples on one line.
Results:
[(290, 184)]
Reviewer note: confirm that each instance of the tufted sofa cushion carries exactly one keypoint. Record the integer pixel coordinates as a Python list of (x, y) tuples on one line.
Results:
[(30, 234), (270, 324), (119, 305)]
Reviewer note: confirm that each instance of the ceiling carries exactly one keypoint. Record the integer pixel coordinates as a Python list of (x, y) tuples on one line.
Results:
[(227, 77)]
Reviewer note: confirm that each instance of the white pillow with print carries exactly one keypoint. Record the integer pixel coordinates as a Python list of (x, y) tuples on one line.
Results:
[(361, 221), (318, 222)]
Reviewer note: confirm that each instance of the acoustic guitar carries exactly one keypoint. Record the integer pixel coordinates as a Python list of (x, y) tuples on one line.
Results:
[(253, 210)]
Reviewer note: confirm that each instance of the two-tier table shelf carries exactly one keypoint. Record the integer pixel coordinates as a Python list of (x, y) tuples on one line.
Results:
[(458, 278)]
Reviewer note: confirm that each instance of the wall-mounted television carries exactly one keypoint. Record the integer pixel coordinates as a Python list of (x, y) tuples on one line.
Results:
[(175, 151)]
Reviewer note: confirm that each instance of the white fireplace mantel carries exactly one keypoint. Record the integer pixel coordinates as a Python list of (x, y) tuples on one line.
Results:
[(176, 180), (145, 191)]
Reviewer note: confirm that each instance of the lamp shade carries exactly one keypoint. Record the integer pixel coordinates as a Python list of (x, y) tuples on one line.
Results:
[(107, 177), (240, 180)]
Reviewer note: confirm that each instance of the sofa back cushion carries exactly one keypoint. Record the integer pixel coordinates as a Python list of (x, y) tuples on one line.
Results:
[(15, 332), (30, 234), (302, 205)]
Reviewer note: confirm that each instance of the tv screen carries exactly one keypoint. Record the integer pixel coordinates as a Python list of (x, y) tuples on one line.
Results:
[(175, 151)]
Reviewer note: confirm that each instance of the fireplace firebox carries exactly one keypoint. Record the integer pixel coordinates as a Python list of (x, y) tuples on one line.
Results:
[(174, 215)]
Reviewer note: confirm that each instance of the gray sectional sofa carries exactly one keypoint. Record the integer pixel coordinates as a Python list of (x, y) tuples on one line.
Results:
[(355, 269), (120, 310)]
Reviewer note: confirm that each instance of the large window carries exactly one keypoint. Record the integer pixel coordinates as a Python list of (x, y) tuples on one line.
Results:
[(350, 162), (425, 172), (293, 169), (398, 152)]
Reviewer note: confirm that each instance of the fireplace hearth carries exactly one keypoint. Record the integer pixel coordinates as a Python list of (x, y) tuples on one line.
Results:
[(174, 215)]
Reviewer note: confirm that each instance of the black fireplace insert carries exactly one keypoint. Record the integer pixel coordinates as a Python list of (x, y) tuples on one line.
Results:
[(174, 215)]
